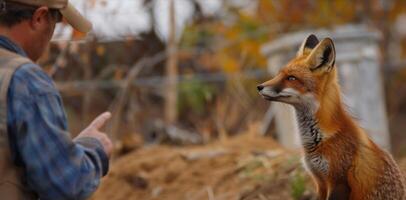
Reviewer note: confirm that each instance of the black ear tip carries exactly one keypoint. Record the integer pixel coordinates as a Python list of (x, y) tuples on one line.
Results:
[(313, 37), (311, 41)]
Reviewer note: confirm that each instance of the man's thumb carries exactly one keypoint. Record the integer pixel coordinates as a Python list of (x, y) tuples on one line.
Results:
[(100, 120)]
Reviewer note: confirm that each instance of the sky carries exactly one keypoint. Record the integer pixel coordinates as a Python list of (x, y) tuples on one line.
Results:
[(117, 19)]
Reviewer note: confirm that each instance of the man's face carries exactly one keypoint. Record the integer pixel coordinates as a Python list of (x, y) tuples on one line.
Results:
[(42, 28)]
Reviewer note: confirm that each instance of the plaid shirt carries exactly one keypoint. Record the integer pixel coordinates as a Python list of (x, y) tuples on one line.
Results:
[(55, 167)]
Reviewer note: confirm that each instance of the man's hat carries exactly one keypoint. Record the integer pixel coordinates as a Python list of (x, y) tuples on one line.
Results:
[(70, 13)]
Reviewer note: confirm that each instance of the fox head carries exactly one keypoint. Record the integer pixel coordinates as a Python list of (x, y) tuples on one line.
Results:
[(308, 79)]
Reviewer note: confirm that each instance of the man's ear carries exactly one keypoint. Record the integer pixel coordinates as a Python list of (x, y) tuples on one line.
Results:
[(323, 56), (40, 16), (308, 44)]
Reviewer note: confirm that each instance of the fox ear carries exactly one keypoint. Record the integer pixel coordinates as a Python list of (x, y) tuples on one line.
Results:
[(323, 56), (308, 44)]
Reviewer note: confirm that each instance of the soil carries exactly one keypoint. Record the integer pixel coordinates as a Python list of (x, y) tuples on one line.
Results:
[(247, 166)]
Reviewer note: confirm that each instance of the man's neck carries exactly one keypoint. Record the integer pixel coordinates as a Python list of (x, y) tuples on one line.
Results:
[(15, 35)]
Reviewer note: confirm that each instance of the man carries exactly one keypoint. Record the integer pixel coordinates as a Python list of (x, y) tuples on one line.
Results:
[(38, 160)]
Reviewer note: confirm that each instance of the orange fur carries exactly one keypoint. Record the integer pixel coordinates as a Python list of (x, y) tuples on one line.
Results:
[(345, 163)]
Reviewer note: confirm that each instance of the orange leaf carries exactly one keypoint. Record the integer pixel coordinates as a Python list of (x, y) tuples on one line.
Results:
[(76, 35)]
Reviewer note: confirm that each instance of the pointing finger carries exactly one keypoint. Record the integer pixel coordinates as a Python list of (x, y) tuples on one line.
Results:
[(100, 120)]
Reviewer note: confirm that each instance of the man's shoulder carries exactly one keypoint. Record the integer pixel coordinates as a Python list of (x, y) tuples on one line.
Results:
[(30, 79)]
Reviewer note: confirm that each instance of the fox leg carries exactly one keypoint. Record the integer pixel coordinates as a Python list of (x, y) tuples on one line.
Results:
[(339, 192), (321, 188), (322, 192)]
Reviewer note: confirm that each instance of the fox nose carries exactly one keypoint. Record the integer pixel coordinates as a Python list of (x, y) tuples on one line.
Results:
[(260, 87)]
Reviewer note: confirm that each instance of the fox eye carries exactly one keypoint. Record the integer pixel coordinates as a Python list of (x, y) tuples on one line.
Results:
[(291, 78)]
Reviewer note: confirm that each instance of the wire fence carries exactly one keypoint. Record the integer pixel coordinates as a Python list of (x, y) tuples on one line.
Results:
[(159, 81)]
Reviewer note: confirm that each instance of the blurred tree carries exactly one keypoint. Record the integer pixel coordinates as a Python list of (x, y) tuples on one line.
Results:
[(227, 40)]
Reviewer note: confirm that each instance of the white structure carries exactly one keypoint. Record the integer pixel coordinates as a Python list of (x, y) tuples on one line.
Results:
[(116, 20), (359, 74)]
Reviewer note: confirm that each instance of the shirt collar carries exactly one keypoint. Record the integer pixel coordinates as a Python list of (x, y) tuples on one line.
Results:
[(11, 46)]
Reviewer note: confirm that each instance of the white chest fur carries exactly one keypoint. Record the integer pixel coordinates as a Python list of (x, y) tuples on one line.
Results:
[(316, 164), (311, 137)]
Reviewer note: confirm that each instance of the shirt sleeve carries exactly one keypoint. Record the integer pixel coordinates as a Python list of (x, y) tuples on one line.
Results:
[(55, 166)]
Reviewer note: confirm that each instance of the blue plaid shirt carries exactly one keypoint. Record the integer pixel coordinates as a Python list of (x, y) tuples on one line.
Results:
[(55, 167)]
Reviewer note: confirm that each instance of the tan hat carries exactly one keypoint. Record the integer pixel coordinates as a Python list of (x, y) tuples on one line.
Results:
[(70, 13)]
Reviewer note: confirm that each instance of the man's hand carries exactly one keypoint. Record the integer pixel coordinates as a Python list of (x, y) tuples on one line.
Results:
[(93, 130)]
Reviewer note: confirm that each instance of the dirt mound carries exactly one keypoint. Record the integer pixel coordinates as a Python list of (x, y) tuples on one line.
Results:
[(244, 167)]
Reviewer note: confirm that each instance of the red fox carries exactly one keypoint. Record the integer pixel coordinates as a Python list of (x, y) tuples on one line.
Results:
[(341, 159)]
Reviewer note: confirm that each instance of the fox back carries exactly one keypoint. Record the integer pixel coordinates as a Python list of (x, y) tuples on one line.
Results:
[(340, 157)]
